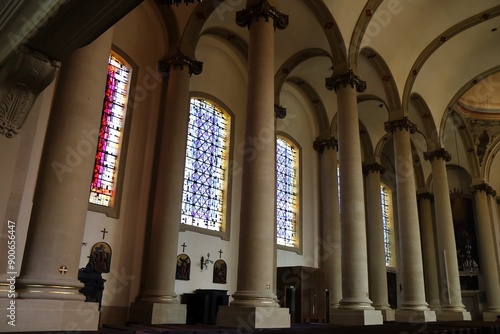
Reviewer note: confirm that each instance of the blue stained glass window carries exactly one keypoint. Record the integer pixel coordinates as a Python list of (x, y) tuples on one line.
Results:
[(386, 207), (205, 167), (103, 186), (286, 193)]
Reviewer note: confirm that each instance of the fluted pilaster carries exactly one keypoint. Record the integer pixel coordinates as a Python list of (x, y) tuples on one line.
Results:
[(413, 305), (330, 242), (254, 297), (429, 251), (157, 302), (487, 263), (451, 303), (355, 305), (377, 269)]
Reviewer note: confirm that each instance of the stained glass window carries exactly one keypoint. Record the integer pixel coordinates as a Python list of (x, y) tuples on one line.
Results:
[(386, 214), (286, 192), (205, 168), (103, 185)]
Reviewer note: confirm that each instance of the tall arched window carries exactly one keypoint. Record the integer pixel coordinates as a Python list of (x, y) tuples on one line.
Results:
[(286, 192), (104, 186), (204, 197), (386, 200)]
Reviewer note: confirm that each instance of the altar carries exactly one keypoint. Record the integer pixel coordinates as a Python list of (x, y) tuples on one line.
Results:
[(203, 304)]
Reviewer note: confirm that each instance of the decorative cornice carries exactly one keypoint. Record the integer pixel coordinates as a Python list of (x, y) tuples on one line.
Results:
[(438, 154), (374, 168), (328, 143), (24, 75), (279, 111), (403, 123), (346, 78), (179, 60), (426, 195), (245, 17), (483, 187)]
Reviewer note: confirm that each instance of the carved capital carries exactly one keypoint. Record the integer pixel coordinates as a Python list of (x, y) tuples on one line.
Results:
[(347, 78), (279, 111), (24, 75), (483, 187), (438, 154), (179, 60), (403, 123), (374, 168), (328, 143), (263, 9), (426, 195)]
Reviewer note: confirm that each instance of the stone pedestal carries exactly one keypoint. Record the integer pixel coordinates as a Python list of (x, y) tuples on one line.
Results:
[(347, 317), (247, 319), (157, 313), (389, 315), (445, 315), (415, 316), (490, 316), (49, 315)]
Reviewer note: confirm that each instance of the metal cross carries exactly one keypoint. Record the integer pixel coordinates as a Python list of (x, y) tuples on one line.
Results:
[(63, 270), (104, 233), (183, 246), (220, 253)]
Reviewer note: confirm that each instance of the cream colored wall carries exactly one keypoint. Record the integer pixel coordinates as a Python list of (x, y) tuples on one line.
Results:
[(139, 37), (299, 125), (224, 79), (20, 159)]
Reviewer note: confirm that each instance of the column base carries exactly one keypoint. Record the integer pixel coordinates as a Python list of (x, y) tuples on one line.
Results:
[(148, 313), (442, 315), (490, 315), (389, 314), (250, 318), (415, 316), (350, 317), (40, 315)]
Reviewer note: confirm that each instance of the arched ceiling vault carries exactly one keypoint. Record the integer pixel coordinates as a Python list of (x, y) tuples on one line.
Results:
[(414, 55)]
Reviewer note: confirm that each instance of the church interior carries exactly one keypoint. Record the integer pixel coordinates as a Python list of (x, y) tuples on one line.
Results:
[(249, 164)]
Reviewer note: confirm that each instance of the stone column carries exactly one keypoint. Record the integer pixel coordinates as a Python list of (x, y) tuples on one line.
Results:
[(157, 302), (330, 248), (48, 284), (255, 303), (429, 252), (451, 303), (413, 306), (488, 267), (355, 307), (377, 269)]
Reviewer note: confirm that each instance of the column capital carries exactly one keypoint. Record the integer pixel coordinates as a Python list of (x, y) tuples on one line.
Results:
[(279, 111), (329, 143), (263, 9), (179, 60), (438, 154), (24, 75), (374, 168), (425, 195), (402, 123), (346, 78), (483, 187)]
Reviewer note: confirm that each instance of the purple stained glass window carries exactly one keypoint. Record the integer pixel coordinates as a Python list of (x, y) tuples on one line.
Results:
[(286, 192), (103, 185), (205, 167)]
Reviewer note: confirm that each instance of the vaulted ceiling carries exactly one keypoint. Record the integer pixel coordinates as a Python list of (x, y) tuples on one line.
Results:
[(436, 62)]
